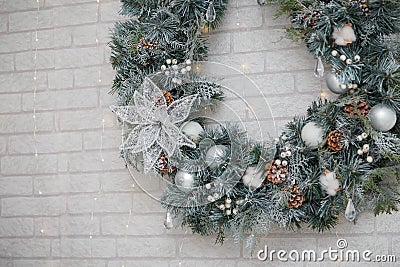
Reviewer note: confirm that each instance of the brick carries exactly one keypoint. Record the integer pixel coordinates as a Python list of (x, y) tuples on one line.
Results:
[(388, 223), (22, 82), (16, 185), (67, 183), (109, 11), (78, 57), (85, 35), (91, 161), (90, 76), (142, 204), (248, 63), (79, 225), (10, 103), (25, 248), (15, 42), (16, 227), (31, 206), (23, 123), (22, 21), (3, 145), (60, 79), (52, 38), (3, 23), (88, 119), (58, 100), (307, 83), (138, 225), (84, 248), (72, 15), (91, 140), (219, 43), (47, 226), (36, 263), (28, 164), (267, 39), (26, 60), (6, 62), (17, 5), (270, 20), (248, 17), (288, 60), (54, 3), (82, 262), (118, 181), (205, 248), (146, 247), (104, 203)]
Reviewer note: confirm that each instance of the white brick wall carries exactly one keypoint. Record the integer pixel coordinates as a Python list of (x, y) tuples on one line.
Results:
[(70, 194)]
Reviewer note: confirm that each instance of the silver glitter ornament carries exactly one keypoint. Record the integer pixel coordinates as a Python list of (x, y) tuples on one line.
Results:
[(168, 224), (334, 85), (319, 68), (383, 118), (211, 15), (184, 181), (216, 156), (350, 212)]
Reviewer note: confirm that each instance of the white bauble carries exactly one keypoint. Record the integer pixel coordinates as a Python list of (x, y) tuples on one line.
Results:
[(253, 179), (383, 118), (329, 183), (216, 156), (184, 180), (193, 130), (312, 135)]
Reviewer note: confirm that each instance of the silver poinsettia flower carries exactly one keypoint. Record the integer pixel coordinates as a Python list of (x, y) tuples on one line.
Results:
[(154, 124)]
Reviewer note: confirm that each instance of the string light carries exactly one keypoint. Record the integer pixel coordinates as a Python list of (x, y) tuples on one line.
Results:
[(237, 13)]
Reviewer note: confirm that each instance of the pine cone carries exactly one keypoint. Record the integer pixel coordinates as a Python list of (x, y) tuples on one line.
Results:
[(275, 173), (163, 166), (168, 99), (334, 140), (296, 198), (144, 44), (359, 109)]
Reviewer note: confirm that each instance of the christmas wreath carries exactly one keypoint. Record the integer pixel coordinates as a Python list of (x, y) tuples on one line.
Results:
[(341, 158)]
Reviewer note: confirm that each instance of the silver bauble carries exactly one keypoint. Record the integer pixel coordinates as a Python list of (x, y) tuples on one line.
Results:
[(216, 156), (383, 118), (192, 130), (312, 135), (184, 181), (333, 84)]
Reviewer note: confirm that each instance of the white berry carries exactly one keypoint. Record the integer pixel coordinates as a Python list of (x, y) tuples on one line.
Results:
[(222, 207), (370, 159), (343, 57), (366, 148), (188, 68), (228, 212), (359, 138), (183, 71), (169, 61), (188, 62), (284, 163), (163, 67), (350, 86), (175, 67), (228, 200), (283, 155), (357, 58), (235, 211), (208, 186), (216, 195), (174, 61), (228, 206), (210, 199), (349, 61), (278, 162), (343, 86), (334, 53), (288, 153), (355, 86), (364, 135), (360, 152)]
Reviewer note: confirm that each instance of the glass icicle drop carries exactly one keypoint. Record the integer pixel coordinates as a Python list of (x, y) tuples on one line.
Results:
[(319, 68), (350, 213), (211, 15), (168, 221)]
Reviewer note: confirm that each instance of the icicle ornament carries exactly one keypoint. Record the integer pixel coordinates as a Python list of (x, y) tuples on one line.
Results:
[(211, 15), (350, 213), (168, 221), (319, 68)]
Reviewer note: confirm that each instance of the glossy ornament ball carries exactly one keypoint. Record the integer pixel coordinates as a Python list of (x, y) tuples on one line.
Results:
[(216, 156), (312, 135), (383, 118), (193, 130), (184, 181), (334, 85)]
